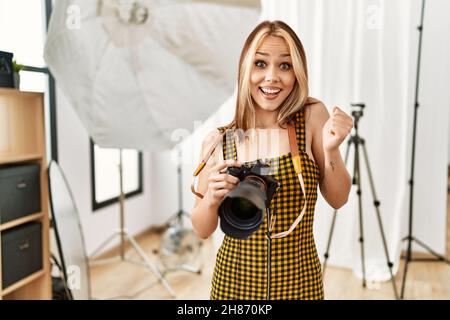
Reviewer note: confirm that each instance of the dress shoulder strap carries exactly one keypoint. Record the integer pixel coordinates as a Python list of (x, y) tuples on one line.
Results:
[(229, 147), (300, 129), (300, 123)]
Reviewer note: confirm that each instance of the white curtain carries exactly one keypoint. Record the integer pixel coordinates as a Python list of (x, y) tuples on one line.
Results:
[(366, 51)]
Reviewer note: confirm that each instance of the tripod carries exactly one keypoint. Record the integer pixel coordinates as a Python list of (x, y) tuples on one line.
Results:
[(123, 234), (357, 141), (176, 221), (410, 238)]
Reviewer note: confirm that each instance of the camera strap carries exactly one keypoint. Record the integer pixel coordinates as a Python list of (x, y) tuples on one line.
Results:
[(203, 162), (296, 161)]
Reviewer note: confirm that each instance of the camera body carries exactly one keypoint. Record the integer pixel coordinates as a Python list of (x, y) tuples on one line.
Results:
[(242, 211)]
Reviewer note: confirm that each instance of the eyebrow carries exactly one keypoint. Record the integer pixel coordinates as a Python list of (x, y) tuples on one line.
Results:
[(266, 54)]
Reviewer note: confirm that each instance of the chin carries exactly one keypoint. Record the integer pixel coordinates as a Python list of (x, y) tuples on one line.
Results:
[(267, 106)]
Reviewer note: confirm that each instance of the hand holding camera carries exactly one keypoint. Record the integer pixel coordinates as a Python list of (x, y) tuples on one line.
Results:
[(242, 210), (220, 183)]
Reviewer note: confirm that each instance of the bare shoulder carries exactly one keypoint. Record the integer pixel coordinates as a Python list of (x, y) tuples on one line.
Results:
[(212, 140), (316, 113)]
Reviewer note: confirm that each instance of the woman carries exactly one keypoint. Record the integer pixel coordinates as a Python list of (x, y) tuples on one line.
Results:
[(273, 94)]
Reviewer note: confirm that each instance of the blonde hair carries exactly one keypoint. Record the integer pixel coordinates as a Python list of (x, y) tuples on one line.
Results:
[(245, 116)]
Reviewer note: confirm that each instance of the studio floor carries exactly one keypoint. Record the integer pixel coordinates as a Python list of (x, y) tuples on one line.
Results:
[(123, 280)]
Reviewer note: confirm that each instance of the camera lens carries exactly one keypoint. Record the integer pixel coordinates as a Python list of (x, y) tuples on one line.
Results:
[(242, 211), (243, 208)]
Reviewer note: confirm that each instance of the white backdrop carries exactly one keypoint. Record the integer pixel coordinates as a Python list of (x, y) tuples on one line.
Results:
[(366, 51)]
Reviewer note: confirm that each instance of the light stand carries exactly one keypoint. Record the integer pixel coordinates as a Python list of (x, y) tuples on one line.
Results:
[(123, 234), (357, 141), (410, 238), (177, 220)]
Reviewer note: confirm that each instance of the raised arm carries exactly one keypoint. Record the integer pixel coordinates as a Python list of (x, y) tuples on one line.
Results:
[(328, 134)]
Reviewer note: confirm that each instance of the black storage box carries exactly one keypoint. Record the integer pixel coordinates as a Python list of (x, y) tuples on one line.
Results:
[(6, 70), (20, 191), (21, 252)]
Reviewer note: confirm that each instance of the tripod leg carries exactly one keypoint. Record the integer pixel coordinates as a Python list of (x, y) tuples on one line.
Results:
[(100, 248), (409, 247), (411, 181), (434, 253), (361, 229), (380, 223), (326, 255), (149, 265), (184, 267), (405, 269)]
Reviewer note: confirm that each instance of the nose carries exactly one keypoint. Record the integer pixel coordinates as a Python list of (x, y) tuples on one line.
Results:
[(272, 74)]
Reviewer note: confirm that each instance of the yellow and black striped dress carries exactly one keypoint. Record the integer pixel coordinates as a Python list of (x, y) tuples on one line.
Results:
[(285, 268)]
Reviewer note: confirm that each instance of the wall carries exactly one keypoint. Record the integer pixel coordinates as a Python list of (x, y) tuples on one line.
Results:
[(74, 159)]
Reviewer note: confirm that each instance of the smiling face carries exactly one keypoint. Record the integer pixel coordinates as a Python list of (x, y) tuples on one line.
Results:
[(272, 77)]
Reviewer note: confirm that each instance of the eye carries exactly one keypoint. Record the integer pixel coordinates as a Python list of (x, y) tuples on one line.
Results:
[(260, 64), (285, 66)]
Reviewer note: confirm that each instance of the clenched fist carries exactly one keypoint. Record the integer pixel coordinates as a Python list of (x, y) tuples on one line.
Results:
[(336, 129)]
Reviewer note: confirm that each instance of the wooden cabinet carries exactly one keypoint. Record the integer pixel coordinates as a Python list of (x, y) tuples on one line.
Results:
[(22, 141)]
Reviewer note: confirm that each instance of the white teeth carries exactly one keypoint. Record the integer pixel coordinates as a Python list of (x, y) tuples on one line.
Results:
[(270, 91)]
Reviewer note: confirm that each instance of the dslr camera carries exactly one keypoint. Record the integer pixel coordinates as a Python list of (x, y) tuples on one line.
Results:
[(242, 211)]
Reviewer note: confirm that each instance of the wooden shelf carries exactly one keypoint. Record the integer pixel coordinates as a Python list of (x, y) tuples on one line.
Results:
[(22, 141), (16, 92), (23, 282), (21, 124), (15, 223), (11, 159)]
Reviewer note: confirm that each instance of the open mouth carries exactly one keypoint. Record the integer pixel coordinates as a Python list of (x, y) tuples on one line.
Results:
[(269, 92)]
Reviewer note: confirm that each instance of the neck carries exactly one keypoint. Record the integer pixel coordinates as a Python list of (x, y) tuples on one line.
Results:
[(266, 119)]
